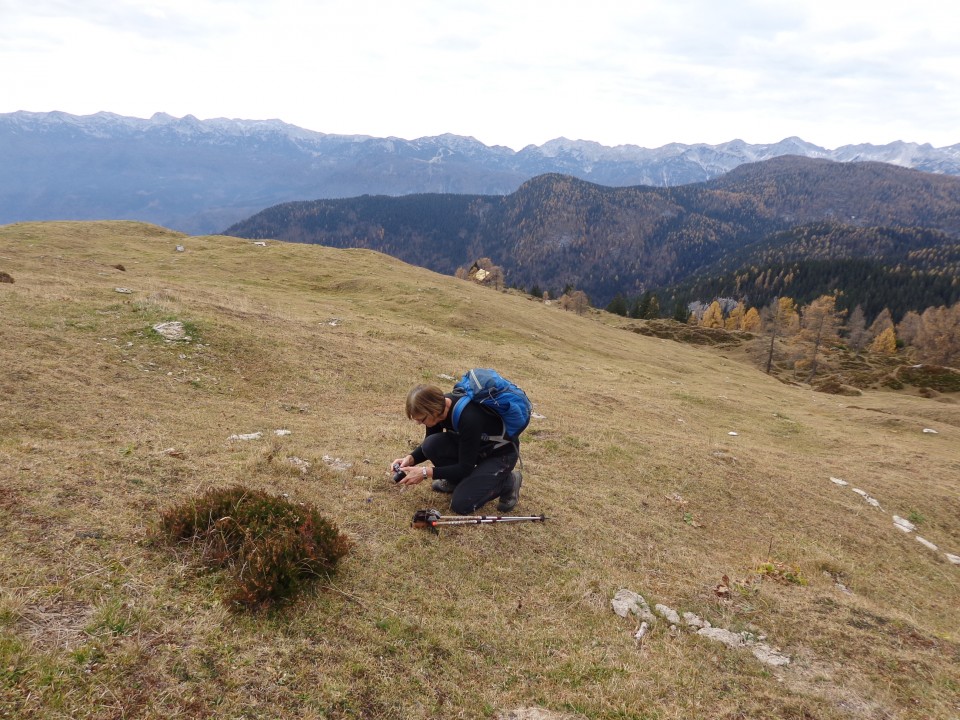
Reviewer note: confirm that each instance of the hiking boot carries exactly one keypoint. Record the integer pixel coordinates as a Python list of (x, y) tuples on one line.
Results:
[(510, 495), (442, 485)]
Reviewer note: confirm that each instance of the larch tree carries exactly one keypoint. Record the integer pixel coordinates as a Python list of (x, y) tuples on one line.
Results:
[(938, 341), (713, 317), (857, 330), (880, 323), (780, 319), (885, 343), (909, 327), (575, 300), (751, 321), (820, 322), (735, 318)]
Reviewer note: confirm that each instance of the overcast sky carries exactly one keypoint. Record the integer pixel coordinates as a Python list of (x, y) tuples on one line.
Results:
[(506, 72)]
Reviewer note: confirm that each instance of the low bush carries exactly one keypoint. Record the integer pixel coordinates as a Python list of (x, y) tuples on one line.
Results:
[(935, 377), (271, 545)]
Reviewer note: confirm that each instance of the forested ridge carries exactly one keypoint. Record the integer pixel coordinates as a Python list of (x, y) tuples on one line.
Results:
[(901, 269), (851, 227)]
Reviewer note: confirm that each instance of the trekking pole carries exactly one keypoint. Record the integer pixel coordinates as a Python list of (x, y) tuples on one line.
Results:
[(432, 519)]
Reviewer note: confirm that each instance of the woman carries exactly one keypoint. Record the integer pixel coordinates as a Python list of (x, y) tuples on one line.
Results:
[(465, 463)]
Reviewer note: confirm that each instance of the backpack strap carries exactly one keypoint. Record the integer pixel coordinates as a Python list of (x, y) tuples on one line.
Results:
[(500, 439)]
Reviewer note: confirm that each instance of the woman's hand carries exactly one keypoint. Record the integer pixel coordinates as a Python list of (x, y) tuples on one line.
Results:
[(401, 463), (414, 475)]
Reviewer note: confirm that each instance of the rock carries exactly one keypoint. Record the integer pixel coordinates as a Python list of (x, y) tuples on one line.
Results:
[(953, 558), (247, 436), (728, 638), (644, 627), (281, 433), (930, 431), (336, 463), (694, 621), (769, 656), (668, 614), (302, 465), (926, 543), (902, 524), (123, 290), (626, 602), (260, 243), (838, 481), (536, 714), (870, 500), (171, 330), (763, 652), (180, 248)]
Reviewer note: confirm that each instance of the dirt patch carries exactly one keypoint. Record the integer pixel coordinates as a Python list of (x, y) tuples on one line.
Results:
[(57, 625)]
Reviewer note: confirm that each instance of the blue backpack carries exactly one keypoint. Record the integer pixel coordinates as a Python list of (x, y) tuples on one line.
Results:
[(493, 391)]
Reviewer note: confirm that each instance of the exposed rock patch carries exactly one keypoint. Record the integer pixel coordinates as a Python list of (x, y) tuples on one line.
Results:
[(172, 331), (627, 602)]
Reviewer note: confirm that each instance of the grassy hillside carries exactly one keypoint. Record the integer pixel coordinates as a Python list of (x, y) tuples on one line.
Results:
[(103, 424)]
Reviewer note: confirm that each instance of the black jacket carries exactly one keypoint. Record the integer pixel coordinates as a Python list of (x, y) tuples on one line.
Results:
[(476, 423)]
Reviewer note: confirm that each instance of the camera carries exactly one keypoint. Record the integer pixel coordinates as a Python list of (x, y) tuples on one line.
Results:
[(398, 473)]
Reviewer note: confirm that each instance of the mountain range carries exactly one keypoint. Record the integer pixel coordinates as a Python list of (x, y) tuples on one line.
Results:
[(557, 231), (201, 176)]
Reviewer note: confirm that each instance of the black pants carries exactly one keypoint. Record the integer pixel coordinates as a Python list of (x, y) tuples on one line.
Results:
[(485, 483)]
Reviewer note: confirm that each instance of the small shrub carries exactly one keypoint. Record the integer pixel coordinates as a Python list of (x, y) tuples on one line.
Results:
[(781, 573), (272, 546)]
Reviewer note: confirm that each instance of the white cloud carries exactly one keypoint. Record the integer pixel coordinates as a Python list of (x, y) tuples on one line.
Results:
[(512, 73)]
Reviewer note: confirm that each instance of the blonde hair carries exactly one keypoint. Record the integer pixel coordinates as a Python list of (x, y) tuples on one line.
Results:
[(425, 400)]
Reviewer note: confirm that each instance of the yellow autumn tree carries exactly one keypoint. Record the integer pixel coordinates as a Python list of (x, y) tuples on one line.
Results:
[(713, 316), (885, 343), (751, 321), (735, 318)]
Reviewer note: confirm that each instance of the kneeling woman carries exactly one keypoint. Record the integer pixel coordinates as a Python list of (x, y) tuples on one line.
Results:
[(466, 463)]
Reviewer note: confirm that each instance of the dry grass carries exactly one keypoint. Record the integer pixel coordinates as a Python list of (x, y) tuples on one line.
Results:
[(103, 424)]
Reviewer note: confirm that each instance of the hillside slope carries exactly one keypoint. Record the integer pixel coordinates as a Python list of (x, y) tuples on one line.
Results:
[(103, 424)]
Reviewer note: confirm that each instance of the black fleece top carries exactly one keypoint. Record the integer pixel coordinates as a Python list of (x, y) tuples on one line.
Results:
[(476, 423)]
